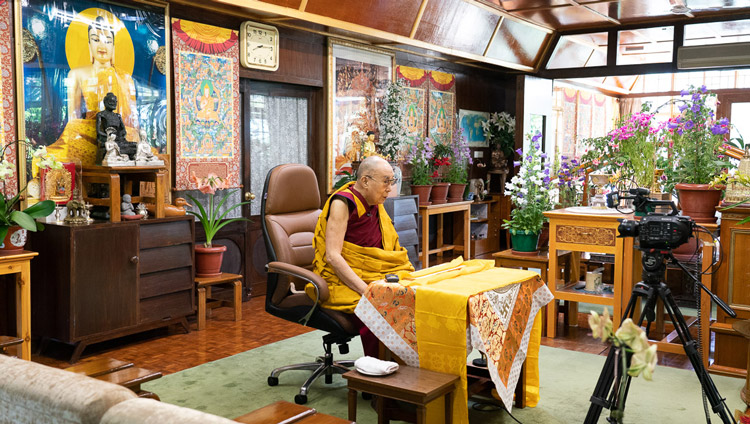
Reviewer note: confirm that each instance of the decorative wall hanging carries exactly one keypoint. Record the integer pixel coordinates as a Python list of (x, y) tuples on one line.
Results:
[(470, 122), (207, 75), (442, 107), (73, 54), (416, 105), (357, 78), (7, 97)]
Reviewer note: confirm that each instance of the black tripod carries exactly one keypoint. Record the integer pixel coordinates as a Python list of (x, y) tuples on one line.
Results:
[(606, 394)]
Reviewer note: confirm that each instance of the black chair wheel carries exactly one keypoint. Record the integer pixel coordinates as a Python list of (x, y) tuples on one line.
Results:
[(300, 399), (273, 381)]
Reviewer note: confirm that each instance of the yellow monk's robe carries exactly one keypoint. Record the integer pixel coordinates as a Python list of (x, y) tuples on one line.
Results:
[(369, 263)]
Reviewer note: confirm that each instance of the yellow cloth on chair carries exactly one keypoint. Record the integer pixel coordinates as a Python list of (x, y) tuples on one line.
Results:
[(441, 318), (369, 263)]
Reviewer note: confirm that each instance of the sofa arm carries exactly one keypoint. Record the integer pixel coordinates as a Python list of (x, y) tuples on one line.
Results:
[(149, 411), (303, 274)]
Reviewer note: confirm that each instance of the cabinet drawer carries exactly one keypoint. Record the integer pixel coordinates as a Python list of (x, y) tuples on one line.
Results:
[(168, 306), (586, 235), (165, 234), (164, 282), (164, 258)]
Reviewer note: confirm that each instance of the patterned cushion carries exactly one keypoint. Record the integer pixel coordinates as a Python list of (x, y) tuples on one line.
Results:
[(35, 393), (149, 411)]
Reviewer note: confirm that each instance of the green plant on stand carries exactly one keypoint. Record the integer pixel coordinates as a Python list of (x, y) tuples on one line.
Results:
[(531, 197)]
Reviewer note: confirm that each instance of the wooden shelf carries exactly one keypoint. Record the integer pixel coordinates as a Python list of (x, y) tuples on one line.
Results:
[(569, 292)]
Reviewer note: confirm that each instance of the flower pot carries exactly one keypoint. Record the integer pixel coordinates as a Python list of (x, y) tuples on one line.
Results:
[(15, 239), (208, 260), (423, 191), (523, 242), (439, 193), (699, 201), (456, 192)]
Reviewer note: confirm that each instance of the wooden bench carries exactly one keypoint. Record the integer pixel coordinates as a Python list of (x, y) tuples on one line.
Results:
[(118, 372), (283, 411), (205, 302), (413, 385)]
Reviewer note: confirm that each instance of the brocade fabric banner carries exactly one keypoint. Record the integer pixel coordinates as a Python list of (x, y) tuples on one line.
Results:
[(7, 97), (442, 107), (415, 116), (207, 103)]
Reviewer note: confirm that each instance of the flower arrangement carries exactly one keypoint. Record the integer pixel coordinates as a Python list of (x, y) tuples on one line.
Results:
[(210, 217), (420, 157), (570, 178), (459, 160), (697, 139), (392, 129), (529, 190), (10, 213), (630, 341), (500, 131)]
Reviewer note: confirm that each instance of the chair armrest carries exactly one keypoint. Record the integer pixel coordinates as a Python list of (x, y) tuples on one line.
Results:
[(301, 273)]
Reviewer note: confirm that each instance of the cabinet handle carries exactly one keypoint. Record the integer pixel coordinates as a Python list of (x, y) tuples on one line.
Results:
[(134, 260)]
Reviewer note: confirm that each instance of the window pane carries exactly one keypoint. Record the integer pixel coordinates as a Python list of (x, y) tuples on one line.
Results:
[(580, 51), (645, 45), (717, 33)]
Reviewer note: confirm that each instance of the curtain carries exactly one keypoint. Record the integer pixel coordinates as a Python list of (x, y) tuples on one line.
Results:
[(278, 135)]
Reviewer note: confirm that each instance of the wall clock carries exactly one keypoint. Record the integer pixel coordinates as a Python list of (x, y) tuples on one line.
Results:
[(259, 46)]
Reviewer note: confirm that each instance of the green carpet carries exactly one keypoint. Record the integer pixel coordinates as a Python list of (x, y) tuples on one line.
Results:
[(236, 385)]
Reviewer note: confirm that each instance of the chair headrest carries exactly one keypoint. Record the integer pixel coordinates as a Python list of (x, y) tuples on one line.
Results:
[(291, 188)]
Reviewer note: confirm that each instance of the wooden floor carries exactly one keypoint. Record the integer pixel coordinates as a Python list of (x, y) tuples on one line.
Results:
[(171, 350)]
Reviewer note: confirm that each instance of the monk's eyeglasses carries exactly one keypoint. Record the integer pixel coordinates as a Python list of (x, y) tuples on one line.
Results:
[(387, 181)]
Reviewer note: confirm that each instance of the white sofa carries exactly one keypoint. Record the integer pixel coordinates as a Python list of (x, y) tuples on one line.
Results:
[(35, 393)]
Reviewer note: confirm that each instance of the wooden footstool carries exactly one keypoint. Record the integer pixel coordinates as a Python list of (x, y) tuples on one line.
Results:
[(118, 372), (287, 412), (413, 385), (204, 285)]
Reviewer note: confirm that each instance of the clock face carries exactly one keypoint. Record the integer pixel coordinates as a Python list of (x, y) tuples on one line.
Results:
[(259, 46)]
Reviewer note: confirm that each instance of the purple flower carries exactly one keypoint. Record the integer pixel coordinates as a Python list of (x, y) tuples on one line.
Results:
[(519, 194), (519, 151), (672, 125), (543, 156), (537, 146), (546, 180), (703, 88), (689, 125), (682, 107), (716, 129), (696, 108), (528, 158), (563, 157), (723, 121), (516, 163), (679, 131), (546, 171), (535, 138), (696, 97), (684, 92)]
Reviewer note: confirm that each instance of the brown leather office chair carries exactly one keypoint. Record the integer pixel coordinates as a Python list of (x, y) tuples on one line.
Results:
[(289, 211)]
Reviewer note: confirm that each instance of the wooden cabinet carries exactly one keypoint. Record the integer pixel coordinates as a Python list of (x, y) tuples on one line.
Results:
[(485, 221), (732, 284), (101, 281)]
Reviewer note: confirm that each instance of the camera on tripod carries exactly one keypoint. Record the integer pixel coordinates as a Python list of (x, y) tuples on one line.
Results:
[(655, 230)]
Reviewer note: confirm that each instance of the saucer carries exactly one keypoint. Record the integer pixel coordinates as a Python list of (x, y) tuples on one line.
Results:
[(373, 374)]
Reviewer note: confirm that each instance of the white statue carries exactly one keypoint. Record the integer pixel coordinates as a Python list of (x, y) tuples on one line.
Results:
[(144, 156), (113, 157)]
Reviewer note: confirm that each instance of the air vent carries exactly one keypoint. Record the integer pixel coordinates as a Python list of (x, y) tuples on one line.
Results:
[(713, 56)]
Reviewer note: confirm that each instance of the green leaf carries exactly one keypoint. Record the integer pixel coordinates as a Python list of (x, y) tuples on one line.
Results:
[(41, 209), (24, 220), (3, 232)]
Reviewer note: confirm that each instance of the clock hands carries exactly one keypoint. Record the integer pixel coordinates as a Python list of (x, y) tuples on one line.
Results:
[(263, 47)]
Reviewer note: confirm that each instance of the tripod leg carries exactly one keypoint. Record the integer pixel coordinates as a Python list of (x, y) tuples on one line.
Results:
[(691, 350)]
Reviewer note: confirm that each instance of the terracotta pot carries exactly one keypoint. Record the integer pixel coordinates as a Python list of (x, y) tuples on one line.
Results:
[(15, 239), (439, 193), (423, 191), (208, 260), (688, 251), (456, 192), (699, 201)]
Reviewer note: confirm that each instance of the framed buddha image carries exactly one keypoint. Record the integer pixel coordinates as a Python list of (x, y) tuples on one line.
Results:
[(357, 79), (58, 184), (74, 53)]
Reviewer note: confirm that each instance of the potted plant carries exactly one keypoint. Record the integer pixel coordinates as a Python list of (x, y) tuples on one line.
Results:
[(531, 197), (14, 223), (441, 160), (570, 178), (500, 131), (208, 257), (697, 138), (420, 158), (393, 134), (457, 173)]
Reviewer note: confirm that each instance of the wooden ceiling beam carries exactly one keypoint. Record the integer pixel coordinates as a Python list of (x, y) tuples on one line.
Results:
[(418, 19), (595, 12), (494, 34), (302, 5), (555, 6), (504, 14)]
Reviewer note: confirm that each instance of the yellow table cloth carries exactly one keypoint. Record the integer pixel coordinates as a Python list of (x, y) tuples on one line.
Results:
[(434, 317)]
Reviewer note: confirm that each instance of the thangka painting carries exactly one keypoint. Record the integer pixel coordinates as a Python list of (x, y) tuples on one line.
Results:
[(7, 102), (207, 103), (470, 122), (442, 107), (74, 53), (357, 78), (415, 109)]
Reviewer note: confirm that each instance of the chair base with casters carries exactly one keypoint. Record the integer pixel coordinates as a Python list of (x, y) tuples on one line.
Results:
[(324, 365)]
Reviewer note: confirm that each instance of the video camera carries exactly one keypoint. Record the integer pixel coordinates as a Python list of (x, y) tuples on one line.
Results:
[(655, 230)]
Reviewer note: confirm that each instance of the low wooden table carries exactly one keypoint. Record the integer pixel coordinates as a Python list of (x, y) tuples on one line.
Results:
[(18, 262), (204, 285), (440, 210), (113, 176), (118, 372), (283, 411), (509, 259), (413, 385)]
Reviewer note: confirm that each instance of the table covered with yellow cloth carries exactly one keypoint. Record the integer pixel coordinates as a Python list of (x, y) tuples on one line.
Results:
[(434, 317)]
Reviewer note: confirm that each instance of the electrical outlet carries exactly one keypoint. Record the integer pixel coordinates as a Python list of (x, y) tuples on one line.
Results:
[(478, 154)]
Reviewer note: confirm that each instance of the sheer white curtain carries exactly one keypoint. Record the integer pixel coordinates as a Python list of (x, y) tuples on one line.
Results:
[(278, 134)]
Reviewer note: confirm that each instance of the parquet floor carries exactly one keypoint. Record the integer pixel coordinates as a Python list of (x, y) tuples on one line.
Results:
[(170, 350)]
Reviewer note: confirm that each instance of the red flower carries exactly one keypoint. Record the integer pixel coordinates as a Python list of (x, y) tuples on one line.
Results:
[(435, 175)]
